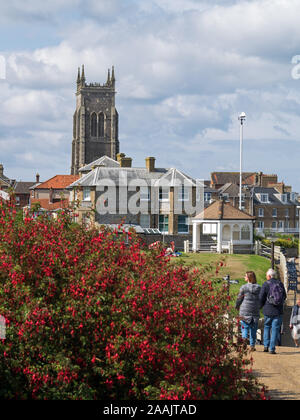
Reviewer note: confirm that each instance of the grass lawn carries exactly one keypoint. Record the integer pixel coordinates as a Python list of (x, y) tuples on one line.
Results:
[(234, 265)]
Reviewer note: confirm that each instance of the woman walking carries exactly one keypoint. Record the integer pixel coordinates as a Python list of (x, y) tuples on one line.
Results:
[(295, 322), (248, 305)]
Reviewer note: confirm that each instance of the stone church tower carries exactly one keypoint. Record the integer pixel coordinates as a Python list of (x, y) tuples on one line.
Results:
[(95, 122)]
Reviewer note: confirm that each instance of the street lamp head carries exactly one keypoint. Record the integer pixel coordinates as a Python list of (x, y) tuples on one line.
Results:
[(242, 116)]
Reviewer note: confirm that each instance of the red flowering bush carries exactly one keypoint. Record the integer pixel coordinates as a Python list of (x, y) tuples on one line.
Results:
[(89, 316)]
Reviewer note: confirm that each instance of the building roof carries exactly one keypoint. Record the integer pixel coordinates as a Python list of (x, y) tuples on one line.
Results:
[(58, 182), (23, 187), (105, 161), (220, 210), (221, 178), (273, 197), (233, 190), (123, 176)]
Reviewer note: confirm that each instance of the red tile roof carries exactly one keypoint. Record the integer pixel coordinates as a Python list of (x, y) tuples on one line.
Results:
[(58, 182), (220, 210)]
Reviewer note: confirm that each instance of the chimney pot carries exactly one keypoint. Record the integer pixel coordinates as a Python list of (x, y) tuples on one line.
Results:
[(150, 163)]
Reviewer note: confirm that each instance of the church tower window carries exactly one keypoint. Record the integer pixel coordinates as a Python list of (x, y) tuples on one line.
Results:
[(101, 125), (94, 125)]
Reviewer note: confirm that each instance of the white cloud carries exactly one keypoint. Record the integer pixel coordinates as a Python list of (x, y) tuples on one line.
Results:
[(184, 69)]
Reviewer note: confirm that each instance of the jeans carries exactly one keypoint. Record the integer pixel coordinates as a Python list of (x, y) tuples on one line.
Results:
[(272, 327), (249, 329)]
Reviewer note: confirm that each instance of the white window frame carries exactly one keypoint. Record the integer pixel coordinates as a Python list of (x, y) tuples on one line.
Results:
[(274, 224), (86, 194), (206, 195), (261, 212), (183, 193), (261, 224), (264, 197), (274, 213), (163, 194), (186, 220), (145, 193)]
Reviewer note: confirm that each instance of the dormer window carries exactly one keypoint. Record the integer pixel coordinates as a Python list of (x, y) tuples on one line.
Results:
[(283, 198), (264, 198)]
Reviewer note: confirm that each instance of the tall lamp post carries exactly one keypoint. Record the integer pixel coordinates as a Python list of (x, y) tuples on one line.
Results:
[(242, 118), (298, 208)]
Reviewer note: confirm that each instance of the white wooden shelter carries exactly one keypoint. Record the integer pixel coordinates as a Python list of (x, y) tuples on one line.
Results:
[(231, 226)]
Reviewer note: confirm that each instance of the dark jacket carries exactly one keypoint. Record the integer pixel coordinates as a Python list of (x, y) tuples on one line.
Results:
[(269, 309), (248, 302)]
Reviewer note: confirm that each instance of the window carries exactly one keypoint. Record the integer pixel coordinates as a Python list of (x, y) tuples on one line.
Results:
[(261, 224), (236, 233), (287, 212), (283, 198), (245, 233), (145, 193), (261, 212), (274, 225), (280, 224), (94, 125), (101, 125), (164, 223), (183, 194), (86, 194), (145, 220), (207, 196), (183, 224), (225, 196), (264, 198), (163, 194), (274, 212)]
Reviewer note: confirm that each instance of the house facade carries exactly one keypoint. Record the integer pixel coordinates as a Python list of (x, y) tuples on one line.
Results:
[(5, 182), (273, 203), (153, 198), (52, 194), (275, 211)]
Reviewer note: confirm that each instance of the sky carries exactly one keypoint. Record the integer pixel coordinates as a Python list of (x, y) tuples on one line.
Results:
[(185, 70)]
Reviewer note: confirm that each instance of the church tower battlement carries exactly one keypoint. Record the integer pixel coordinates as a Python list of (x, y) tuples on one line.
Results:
[(95, 121)]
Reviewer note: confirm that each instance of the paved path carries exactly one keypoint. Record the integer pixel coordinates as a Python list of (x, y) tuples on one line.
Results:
[(280, 372)]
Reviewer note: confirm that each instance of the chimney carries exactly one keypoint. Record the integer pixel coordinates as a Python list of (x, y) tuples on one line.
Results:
[(150, 163), (37, 178), (1, 169), (125, 162)]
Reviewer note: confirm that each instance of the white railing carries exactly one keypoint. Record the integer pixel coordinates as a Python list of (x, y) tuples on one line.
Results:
[(278, 230)]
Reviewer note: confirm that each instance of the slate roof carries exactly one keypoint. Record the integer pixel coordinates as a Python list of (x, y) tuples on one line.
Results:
[(233, 190), (273, 197), (103, 161), (23, 187), (119, 176), (220, 210)]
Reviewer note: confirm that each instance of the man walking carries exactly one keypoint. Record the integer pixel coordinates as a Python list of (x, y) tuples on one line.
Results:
[(272, 297)]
